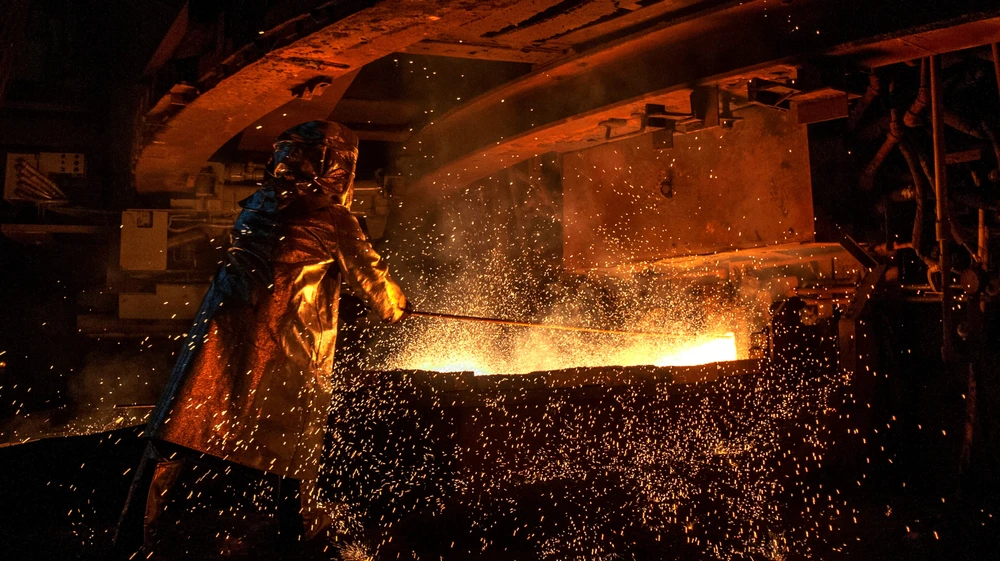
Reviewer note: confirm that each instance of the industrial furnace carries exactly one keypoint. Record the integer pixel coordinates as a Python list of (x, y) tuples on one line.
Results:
[(685, 278)]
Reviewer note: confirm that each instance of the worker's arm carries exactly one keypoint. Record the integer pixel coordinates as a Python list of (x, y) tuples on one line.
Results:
[(364, 270)]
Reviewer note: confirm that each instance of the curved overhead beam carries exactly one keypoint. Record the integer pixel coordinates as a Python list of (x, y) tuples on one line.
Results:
[(542, 31), (558, 108), (260, 135), (190, 125)]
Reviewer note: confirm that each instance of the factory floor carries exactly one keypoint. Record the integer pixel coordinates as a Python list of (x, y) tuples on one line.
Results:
[(60, 498)]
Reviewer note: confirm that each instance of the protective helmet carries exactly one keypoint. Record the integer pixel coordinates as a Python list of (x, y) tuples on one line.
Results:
[(316, 157)]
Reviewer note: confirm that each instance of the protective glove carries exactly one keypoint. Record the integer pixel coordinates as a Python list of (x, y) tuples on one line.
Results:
[(407, 310)]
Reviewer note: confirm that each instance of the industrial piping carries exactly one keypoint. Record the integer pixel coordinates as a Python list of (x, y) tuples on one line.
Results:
[(942, 225)]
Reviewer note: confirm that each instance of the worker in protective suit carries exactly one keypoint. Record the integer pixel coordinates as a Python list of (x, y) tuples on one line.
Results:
[(252, 385)]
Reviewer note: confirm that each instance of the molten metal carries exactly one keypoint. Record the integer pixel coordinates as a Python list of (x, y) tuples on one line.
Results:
[(461, 348)]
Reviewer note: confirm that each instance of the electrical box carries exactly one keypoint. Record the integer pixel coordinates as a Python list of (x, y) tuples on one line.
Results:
[(144, 240), (49, 163), (170, 301), (66, 163)]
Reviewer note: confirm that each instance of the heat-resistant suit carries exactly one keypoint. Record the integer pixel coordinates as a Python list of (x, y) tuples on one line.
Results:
[(252, 384)]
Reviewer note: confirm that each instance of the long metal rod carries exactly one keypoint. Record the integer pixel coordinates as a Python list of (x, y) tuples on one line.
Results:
[(942, 225), (496, 321)]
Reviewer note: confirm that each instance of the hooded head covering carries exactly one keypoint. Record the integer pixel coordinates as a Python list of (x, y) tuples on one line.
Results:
[(317, 157)]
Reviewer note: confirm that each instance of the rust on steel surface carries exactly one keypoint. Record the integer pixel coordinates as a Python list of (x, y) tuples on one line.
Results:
[(195, 130), (558, 107), (715, 190), (922, 43), (535, 31), (484, 49), (260, 135)]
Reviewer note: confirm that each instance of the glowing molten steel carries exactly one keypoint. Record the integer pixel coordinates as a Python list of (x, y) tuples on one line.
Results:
[(449, 348), (599, 321), (716, 349)]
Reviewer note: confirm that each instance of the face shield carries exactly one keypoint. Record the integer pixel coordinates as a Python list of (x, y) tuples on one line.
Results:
[(317, 157)]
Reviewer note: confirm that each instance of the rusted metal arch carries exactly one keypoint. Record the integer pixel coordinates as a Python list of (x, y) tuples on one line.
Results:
[(188, 125), (541, 31), (558, 108)]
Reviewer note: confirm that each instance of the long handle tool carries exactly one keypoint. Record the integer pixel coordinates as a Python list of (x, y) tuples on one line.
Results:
[(496, 321)]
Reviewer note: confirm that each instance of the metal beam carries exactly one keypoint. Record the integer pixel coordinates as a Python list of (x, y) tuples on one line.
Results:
[(504, 16), (542, 28), (189, 128), (643, 19), (526, 35), (966, 33), (260, 135), (560, 106), (481, 49)]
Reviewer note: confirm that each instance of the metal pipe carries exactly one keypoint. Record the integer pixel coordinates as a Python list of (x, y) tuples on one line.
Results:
[(942, 224), (914, 115), (495, 321), (896, 129), (874, 84), (919, 185), (26, 192), (28, 169), (30, 174), (963, 125), (34, 189), (891, 140), (27, 180)]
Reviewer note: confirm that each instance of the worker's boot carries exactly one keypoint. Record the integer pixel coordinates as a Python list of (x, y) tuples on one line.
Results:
[(129, 533), (146, 498), (164, 477), (317, 518)]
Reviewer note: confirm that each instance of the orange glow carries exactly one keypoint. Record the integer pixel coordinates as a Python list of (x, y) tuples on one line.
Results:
[(489, 350), (664, 322), (713, 349)]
